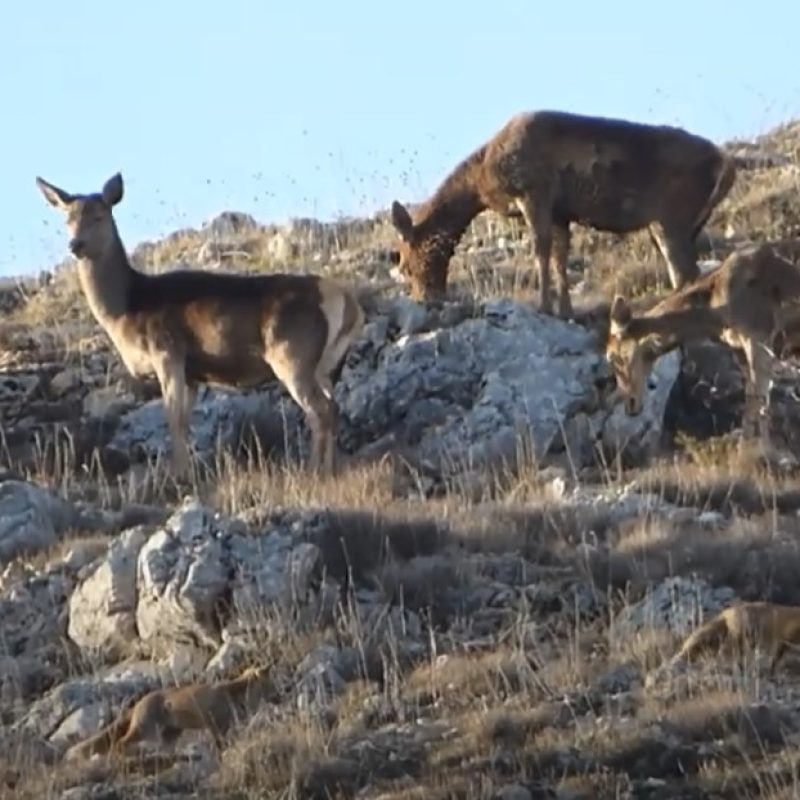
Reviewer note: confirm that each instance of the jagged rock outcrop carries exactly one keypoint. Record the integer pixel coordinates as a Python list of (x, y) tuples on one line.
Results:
[(676, 604), (461, 390), (102, 609), (189, 580), (31, 518)]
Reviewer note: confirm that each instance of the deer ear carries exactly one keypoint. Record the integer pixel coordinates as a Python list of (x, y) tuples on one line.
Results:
[(113, 189), (620, 314), (402, 221), (55, 196)]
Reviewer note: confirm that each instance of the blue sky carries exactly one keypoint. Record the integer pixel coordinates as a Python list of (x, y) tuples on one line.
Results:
[(324, 108)]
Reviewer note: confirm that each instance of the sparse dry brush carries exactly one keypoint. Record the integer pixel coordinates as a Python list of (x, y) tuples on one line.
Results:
[(519, 709), (497, 654)]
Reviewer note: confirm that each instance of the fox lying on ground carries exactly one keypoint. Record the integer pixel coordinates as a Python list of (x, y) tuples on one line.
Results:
[(772, 626), (164, 714)]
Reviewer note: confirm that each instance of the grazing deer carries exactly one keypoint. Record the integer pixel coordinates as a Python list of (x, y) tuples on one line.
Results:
[(744, 302), (189, 327), (553, 168)]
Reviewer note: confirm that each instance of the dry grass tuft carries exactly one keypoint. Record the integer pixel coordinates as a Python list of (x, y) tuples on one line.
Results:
[(483, 677), (269, 757), (263, 484), (60, 302)]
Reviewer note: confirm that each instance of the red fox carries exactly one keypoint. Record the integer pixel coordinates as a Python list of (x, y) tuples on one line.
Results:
[(770, 625), (165, 713)]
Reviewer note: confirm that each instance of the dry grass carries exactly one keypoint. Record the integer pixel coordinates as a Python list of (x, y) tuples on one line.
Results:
[(60, 302), (260, 484), (507, 713), (498, 693), (84, 541)]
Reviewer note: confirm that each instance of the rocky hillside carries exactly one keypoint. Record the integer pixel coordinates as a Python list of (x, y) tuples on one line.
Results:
[(476, 607)]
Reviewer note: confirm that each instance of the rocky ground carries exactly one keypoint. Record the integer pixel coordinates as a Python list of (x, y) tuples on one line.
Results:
[(472, 607)]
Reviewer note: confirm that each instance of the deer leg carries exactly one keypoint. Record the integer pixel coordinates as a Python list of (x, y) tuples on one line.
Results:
[(540, 226), (751, 405), (177, 398), (750, 414), (677, 250), (327, 413), (561, 239), (189, 399), (329, 457), (320, 410), (758, 379)]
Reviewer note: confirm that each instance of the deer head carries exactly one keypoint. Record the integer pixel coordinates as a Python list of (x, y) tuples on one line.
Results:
[(632, 351), (422, 260), (89, 218)]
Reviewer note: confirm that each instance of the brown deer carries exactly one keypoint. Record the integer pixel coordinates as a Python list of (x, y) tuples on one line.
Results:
[(555, 168), (744, 302), (189, 327)]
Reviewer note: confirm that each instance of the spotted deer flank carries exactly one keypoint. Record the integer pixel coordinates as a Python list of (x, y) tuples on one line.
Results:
[(189, 327), (553, 168), (746, 302)]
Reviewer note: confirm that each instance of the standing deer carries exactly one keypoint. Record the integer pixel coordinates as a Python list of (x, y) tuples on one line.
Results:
[(554, 168), (189, 327)]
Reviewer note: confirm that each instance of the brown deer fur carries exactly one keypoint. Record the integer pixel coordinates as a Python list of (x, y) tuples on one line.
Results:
[(165, 713), (744, 302), (189, 327), (557, 168)]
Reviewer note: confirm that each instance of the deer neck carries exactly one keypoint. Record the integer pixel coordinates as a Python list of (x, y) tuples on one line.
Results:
[(671, 329), (107, 283), (457, 201), (448, 220)]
